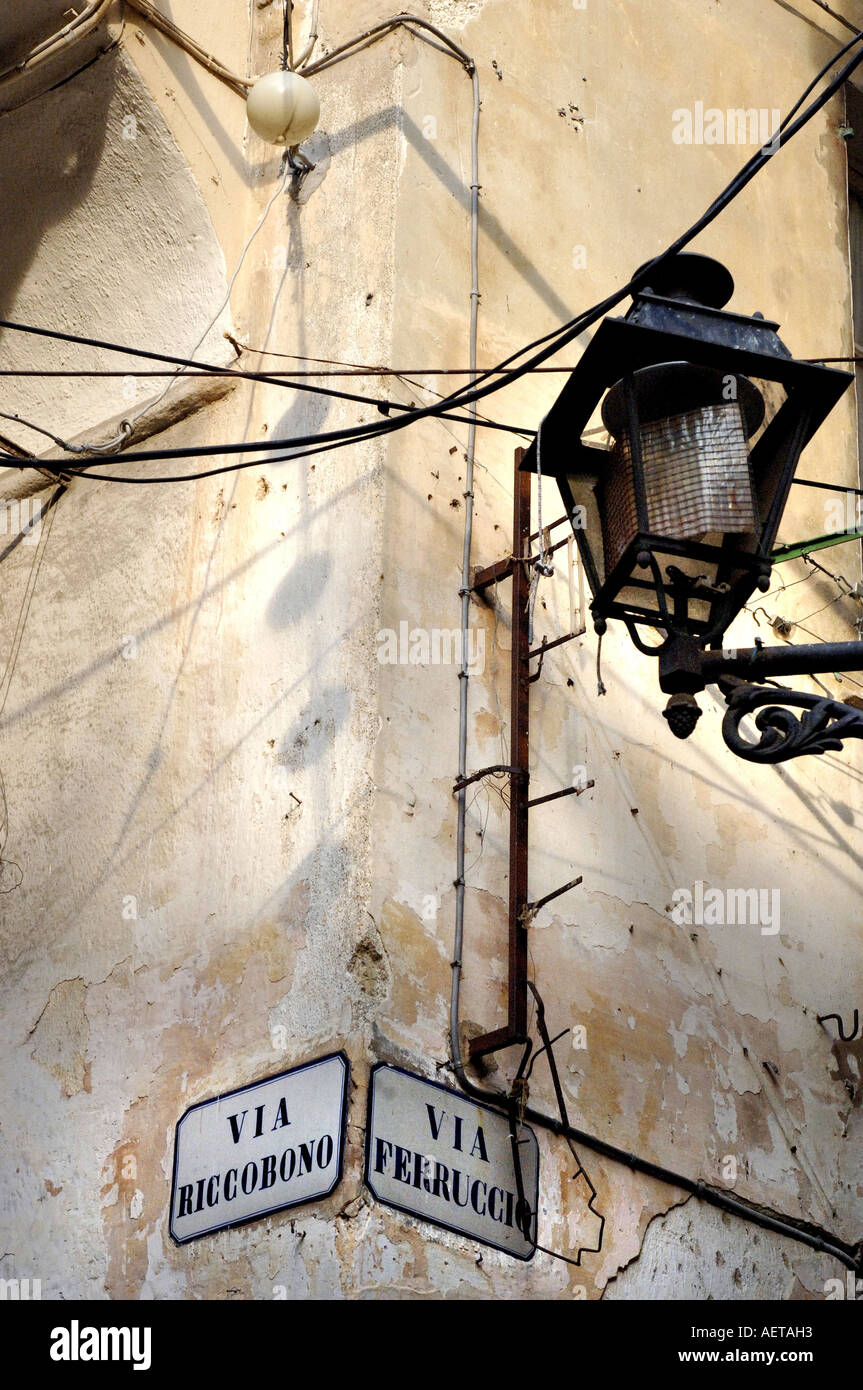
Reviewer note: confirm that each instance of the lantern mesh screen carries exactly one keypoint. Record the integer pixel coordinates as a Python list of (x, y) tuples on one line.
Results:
[(696, 479)]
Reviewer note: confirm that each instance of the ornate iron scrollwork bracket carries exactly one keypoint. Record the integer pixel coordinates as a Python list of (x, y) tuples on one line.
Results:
[(784, 735)]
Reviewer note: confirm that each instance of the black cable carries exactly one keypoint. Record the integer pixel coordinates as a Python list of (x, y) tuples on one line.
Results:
[(829, 487), (731, 189), (581, 1172), (60, 465), (382, 404), (816, 1237), (823, 73), (481, 386)]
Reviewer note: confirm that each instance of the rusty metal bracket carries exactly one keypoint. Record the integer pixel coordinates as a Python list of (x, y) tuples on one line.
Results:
[(558, 642), (530, 910), (517, 567), (488, 772), (555, 796)]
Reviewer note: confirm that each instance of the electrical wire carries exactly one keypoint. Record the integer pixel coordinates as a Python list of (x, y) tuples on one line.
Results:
[(380, 31), (831, 63), (480, 386), (284, 379), (83, 23), (834, 14), (28, 424), (111, 446), (127, 426), (837, 578), (850, 1256), (384, 405), (313, 37), (403, 373), (287, 38), (87, 472), (829, 487), (48, 510), (520, 1089), (822, 609), (5, 864), (239, 85)]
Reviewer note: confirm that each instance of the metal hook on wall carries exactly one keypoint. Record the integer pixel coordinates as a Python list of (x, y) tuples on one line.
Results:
[(843, 1036)]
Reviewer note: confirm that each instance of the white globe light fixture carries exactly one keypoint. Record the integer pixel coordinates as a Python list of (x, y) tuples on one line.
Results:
[(283, 108)]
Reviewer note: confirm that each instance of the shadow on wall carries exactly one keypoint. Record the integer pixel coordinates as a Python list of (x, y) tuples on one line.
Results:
[(50, 151), (106, 235), (452, 183), (186, 73)]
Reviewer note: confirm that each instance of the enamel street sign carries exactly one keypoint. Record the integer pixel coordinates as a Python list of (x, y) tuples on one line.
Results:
[(445, 1158), (260, 1149)]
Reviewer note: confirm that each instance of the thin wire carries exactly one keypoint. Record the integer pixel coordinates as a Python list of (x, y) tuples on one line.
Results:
[(822, 609), (483, 824), (837, 578), (128, 425), (480, 386), (829, 487), (347, 369), (12, 662), (313, 38), (28, 424), (4, 834), (349, 435), (528, 434), (287, 39), (831, 63), (239, 85), (24, 611), (834, 14), (581, 1172), (805, 580), (823, 640), (379, 31)]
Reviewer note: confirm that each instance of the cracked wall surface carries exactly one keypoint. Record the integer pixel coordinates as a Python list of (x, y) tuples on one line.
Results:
[(234, 823)]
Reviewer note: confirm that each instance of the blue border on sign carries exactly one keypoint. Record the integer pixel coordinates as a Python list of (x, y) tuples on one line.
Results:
[(242, 1090), (411, 1211)]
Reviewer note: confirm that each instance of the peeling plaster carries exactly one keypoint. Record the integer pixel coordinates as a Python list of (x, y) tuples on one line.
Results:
[(259, 866)]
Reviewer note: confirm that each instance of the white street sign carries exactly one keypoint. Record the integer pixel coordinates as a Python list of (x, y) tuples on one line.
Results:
[(449, 1160), (260, 1149)]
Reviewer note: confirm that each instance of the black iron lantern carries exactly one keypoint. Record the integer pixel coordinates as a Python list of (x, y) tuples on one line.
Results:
[(706, 414)]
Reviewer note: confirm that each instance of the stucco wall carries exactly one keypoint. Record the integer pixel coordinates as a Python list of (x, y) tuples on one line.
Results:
[(236, 827)]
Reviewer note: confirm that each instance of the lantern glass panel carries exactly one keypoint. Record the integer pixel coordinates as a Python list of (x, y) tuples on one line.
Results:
[(696, 480)]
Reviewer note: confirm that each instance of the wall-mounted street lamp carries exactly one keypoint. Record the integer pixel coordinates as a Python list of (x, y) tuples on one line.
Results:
[(283, 108), (676, 520)]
